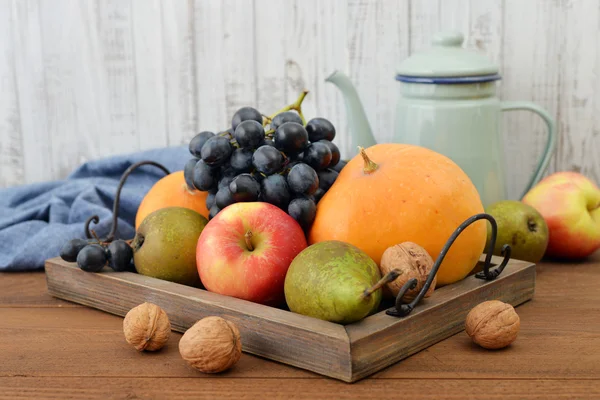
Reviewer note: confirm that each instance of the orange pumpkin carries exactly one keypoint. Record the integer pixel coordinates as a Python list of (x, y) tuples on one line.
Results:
[(171, 191), (394, 193)]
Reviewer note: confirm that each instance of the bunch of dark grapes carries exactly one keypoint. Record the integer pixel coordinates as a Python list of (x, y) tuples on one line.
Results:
[(93, 255), (280, 160)]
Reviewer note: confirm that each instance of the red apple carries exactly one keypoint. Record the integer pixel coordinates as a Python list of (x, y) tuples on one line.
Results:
[(246, 250), (569, 203)]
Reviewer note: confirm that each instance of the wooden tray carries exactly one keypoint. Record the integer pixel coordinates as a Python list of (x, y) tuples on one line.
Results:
[(345, 352)]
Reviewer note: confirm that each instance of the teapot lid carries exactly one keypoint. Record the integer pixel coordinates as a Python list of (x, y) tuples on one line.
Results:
[(447, 62)]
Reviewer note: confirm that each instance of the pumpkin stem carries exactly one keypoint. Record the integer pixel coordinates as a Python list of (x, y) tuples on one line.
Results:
[(387, 278), (370, 166)]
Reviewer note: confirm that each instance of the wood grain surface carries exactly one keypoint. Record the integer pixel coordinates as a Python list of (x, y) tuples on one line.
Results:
[(346, 352), (296, 339), (86, 79), (378, 341), (49, 350)]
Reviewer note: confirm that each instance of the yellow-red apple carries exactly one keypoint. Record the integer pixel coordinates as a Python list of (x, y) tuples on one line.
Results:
[(246, 250), (569, 203)]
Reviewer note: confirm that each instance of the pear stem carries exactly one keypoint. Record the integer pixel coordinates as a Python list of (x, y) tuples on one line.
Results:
[(387, 278), (248, 238), (137, 242), (370, 166)]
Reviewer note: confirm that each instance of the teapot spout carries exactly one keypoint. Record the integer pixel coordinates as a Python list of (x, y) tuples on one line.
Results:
[(358, 124)]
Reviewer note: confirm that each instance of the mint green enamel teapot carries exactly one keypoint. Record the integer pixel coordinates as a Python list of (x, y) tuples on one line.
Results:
[(448, 103)]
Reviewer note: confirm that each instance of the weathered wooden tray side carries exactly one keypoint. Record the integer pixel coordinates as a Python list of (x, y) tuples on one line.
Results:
[(280, 335), (347, 353), (379, 340)]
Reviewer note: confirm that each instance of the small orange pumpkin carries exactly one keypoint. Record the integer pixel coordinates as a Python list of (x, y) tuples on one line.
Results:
[(393, 193), (171, 191)]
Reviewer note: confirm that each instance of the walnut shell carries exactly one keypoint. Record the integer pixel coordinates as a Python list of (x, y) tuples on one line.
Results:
[(493, 324), (147, 327), (412, 261), (211, 345)]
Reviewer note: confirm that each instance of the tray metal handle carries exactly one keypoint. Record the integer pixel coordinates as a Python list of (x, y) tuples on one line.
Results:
[(89, 233), (402, 309)]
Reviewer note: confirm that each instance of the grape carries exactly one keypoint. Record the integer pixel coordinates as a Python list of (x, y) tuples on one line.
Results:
[(303, 179), (335, 152), (71, 249), (296, 157), (214, 210), (120, 255), (241, 160), (287, 116), (268, 142), (204, 176), (267, 159), (223, 198), (210, 200), (291, 137), (91, 258), (227, 133), (318, 195), (188, 173), (227, 175), (319, 129), (245, 114), (338, 167), (258, 176), (198, 141), (244, 188), (291, 165), (225, 181), (249, 134), (228, 170), (303, 210), (326, 178), (317, 156), (274, 189), (216, 150)]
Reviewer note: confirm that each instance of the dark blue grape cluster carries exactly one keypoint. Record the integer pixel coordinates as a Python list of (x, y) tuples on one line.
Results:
[(93, 255), (279, 160)]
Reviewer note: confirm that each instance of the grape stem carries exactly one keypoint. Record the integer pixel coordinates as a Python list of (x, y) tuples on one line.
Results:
[(297, 106), (93, 232), (267, 119), (115, 217)]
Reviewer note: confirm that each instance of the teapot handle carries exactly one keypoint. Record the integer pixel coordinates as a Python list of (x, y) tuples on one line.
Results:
[(551, 140)]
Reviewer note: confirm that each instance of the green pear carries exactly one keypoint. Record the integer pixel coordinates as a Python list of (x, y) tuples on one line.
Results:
[(164, 245), (522, 227), (328, 280)]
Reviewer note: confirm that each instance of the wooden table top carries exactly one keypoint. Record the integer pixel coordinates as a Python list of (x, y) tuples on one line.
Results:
[(50, 348)]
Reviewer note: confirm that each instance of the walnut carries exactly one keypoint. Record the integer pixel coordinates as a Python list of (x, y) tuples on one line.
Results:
[(211, 345), (493, 324), (411, 261), (147, 327)]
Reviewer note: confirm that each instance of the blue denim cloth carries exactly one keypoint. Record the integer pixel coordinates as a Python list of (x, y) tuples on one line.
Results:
[(37, 219)]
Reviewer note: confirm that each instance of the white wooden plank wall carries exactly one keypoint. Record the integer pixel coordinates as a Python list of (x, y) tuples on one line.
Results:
[(89, 78)]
